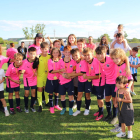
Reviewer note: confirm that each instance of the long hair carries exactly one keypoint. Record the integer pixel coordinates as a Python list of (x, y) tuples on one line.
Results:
[(54, 50), (62, 42), (106, 41), (75, 43)]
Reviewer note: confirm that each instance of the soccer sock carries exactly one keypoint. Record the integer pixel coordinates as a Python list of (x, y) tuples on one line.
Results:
[(5, 108), (71, 104), (108, 107), (46, 97), (51, 100), (18, 101), (75, 93), (11, 103), (79, 105), (100, 111), (88, 104), (32, 101), (63, 103), (56, 100), (26, 101), (115, 111), (39, 98)]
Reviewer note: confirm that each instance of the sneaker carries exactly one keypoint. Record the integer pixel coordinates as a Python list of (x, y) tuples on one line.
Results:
[(116, 125), (108, 117), (12, 111), (39, 109), (116, 129), (114, 120), (99, 118), (52, 110), (76, 113), (75, 106), (57, 107), (63, 111), (7, 113), (130, 135), (96, 114), (26, 110), (19, 109), (70, 111), (32, 109), (121, 134), (133, 93), (86, 112)]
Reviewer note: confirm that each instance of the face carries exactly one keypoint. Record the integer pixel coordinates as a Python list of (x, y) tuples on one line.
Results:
[(80, 46), (119, 39), (22, 44), (55, 54), (101, 57), (44, 50), (88, 56), (120, 85), (103, 39), (116, 60), (134, 53), (57, 45), (66, 53), (76, 56), (38, 40), (90, 39), (120, 28), (32, 55), (71, 39), (18, 61)]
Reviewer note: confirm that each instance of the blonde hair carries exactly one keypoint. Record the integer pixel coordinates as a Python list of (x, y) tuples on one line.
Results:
[(120, 53), (18, 56), (0, 50), (87, 50), (75, 43)]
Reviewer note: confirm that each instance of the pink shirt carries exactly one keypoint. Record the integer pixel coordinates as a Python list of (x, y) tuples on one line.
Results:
[(38, 51), (2, 57), (53, 66), (13, 72), (81, 67), (5, 60), (28, 77), (92, 46), (10, 52), (109, 69), (69, 69)]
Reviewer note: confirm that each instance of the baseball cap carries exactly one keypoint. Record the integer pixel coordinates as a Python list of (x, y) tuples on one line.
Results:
[(39, 35)]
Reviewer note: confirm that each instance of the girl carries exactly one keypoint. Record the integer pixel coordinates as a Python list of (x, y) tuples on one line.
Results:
[(72, 41), (62, 47), (11, 51), (13, 82), (52, 84), (125, 107)]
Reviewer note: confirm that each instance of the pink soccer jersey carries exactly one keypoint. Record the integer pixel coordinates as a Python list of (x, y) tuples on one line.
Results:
[(28, 77), (94, 69), (13, 72), (109, 69), (53, 66), (38, 50), (92, 46), (5, 60), (81, 67), (10, 52), (69, 69), (2, 57)]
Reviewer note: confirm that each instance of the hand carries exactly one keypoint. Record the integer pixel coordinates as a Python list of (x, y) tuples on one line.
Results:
[(116, 105), (127, 70), (62, 70), (136, 66), (119, 99), (48, 38), (0, 81), (35, 74), (84, 76), (22, 71), (64, 75), (17, 81)]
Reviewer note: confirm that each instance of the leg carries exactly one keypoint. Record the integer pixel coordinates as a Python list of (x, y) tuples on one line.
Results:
[(33, 94), (39, 95), (5, 107), (123, 127), (18, 101), (63, 102), (26, 95)]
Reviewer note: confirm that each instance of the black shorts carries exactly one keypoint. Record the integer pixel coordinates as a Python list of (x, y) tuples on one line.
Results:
[(2, 94), (134, 77)]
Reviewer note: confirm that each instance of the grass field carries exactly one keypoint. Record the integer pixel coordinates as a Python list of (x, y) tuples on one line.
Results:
[(46, 126)]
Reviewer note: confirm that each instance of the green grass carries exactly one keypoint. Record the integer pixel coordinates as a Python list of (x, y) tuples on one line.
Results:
[(45, 126)]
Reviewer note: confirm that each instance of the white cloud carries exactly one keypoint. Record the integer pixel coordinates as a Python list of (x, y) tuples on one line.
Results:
[(99, 3)]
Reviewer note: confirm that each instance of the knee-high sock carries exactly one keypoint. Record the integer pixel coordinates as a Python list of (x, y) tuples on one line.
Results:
[(39, 98), (26, 101), (88, 103), (56, 100), (46, 97), (32, 101), (63, 103), (11, 103), (79, 105), (18, 101), (71, 104), (51, 100), (108, 107)]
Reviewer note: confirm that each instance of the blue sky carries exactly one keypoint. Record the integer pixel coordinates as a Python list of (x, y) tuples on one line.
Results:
[(81, 17)]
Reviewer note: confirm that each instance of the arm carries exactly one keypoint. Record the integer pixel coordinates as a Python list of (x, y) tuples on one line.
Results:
[(51, 44), (90, 77), (112, 45), (15, 81), (128, 98), (57, 71), (3, 79), (127, 69)]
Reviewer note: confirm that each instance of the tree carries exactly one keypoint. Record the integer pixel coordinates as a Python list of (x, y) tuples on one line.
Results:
[(106, 35), (29, 32), (1, 40), (125, 34), (135, 40)]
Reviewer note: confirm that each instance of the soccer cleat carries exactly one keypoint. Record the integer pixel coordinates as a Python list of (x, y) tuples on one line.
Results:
[(51, 110), (19, 109), (75, 106), (130, 135), (63, 111), (26, 110), (133, 93), (39, 109), (7, 113), (116, 129), (32, 109), (114, 120), (99, 117), (57, 107), (70, 111), (96, 114), (86, 112), (76, 113), (108, 117), (121, 134), (12, 111)]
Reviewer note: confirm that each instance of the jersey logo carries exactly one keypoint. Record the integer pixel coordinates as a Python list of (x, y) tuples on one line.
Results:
[(27, 66), (91, 68), (107, 65), (70, 66), (120, 71), (80, 66)]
